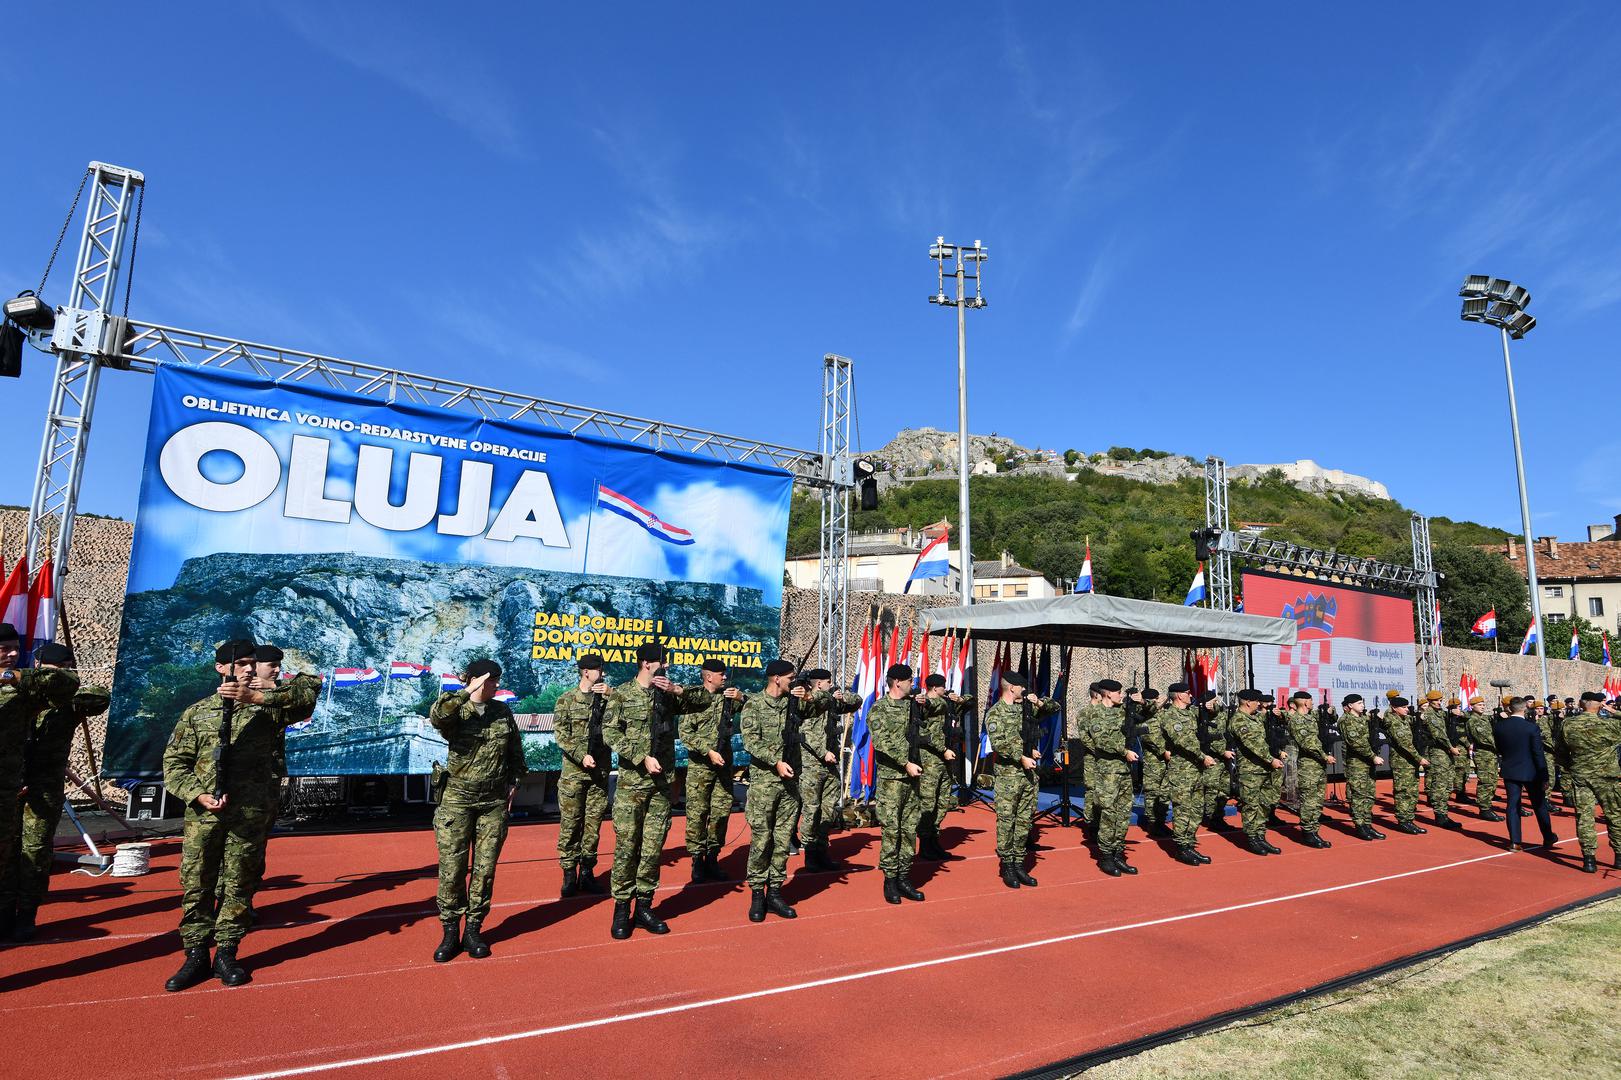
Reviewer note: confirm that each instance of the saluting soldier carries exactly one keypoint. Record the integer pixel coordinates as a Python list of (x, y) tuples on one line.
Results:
[(485, 763), (1487, 771), (221, 765), (1185, 765), (582, 788), (1105, 738), (775, 747), (1311, 766), (823, 734), (1361, 760), (1440, 759), (896, 721), (1012, 724), (1406, 759), (1590, 740), (707, 735)]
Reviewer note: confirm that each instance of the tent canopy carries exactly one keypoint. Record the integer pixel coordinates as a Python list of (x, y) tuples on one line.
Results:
[(1094, 621)]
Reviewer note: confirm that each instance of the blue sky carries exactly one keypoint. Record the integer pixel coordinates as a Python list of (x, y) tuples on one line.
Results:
[(1233, 230)]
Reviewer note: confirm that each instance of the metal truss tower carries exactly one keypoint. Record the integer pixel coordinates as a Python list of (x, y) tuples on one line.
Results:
[(1219, 570), (833, 585), (1427, 604)]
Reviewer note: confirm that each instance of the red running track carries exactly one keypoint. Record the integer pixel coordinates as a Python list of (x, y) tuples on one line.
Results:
[(979, 980)]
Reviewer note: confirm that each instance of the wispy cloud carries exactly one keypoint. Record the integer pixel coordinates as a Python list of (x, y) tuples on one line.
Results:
[(451, 80), (1092, 291)]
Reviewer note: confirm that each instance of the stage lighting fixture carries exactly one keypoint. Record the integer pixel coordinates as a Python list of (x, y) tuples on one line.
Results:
[(1475, 310), (1475, 285), (30, 312)]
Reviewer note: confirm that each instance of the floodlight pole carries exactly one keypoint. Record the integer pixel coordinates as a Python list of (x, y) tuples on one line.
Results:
[(940, 252), (1525, 517)]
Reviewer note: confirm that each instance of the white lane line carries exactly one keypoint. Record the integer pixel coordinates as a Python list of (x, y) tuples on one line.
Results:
[(836, 980)]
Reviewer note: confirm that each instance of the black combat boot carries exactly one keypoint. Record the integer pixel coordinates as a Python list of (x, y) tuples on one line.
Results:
[(779, 907), (1125, 867), (1447, 822), (1410, 829), (757, 905), (198, 966), (1489, 814), (906, 889), (474, 945), (1008, 877), (451, 944), (699, 876), (1257, 845), (712, 868), (1107, 864), (1204, 860), (1524, 812), (1618, 860), (645, 918), (891, 894), (1589, 864), (1313, 840), (1377, 835), (230, 972), (1021, 875), (814, 862), (1364, 832), (588, 882), (928, 849), (1271, 848), (22, 927), (1186, 857), (829, 863), (621, 926), (571, 882)]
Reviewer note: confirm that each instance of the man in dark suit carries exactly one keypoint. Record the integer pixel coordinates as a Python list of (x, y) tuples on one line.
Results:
[(1524, 767)]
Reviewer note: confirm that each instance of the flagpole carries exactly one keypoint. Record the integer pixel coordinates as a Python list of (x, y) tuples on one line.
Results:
[(596, 494)]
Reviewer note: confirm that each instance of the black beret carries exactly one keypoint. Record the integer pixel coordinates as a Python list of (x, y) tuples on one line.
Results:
[(1130, 690), (268, 654), (1571, 699), (54, 653), (1013, 678), (1207, 697), (9, 632), (1591, 695), (934, 681), (1300, 695), (778, 667), (229, 652), (1108, 686), (1092, 688), (714, 664), (483, 667), (591, 662), (818, 673), (901, 671), (1150, 695), (1177, 688), (1248, 694), (1351, 699), (1399, 702), (650, 653)]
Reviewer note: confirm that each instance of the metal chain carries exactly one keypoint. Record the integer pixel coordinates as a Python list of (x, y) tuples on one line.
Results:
[(134, 246), (63, 234)]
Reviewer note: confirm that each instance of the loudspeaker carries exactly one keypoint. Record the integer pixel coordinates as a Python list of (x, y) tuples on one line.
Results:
[(11, 352)]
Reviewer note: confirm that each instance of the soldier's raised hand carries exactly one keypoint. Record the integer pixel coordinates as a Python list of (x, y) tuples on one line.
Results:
[(731, 693), (477, 684), (599, 687), (799, 692)]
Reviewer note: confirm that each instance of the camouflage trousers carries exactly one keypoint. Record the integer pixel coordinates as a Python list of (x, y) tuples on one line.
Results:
[(818, 801), (709, 807), (1015, 811), (1604, 791), (898, 807), (469, 836), (26, 874), (1185, 785), (1156, 790), (1404, 788), (1218, 786), (641, 825), (1460, 775), (1258, 788), (1360, 790), (1110, 795), (1311, 781), (582, 803), (1439, 776), (218, 853), (770, 811), (1486, 776), (935, 798)]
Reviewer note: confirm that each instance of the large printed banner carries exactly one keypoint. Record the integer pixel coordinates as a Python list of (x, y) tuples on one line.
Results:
[(384, 546), (1352, 640)]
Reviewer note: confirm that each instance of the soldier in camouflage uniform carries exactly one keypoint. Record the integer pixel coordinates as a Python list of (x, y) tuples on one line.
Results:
[(1246, 733), (1441, 757), (641, 730), (485, 763), (775, 745), (1361, 760), (1458, 732), (1479, 723), (823, 733), (16, 722), (1083, 767), (1591, 739), (938, 752), (1015, 740), (1311, 766), (894, 738), (221, 765), (582, 788), (1406, 759), (1218, 782), (1185, 766), (1155, 762), (57, 702), (1109, 777), (709, 772), (1550, 718)]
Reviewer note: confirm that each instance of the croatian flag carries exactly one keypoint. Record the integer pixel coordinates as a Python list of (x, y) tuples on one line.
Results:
[(1196, 590), (1485, 626), (1084, 582), (504, 696), (861, 748), (1606, 650), (355, 676), (1575, 644), (1530, 640), (399, 669), (451, 683), (609, 499), (1468, 687), (14, 597), (1238, 605), (931, 562), (41, 609), (1435, 628)]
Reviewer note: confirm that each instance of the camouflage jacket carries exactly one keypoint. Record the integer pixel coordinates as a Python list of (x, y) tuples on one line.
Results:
[(764, 725), (889, 720), (1435, 731), (1179, 733), (571, 720), (486, 751), (1591, 743), (1480, 731), (192, 758), (1152, 741), (1005, 721), (54, 728), (1403, 744), (820, 724), (628, 725), (1103, 736), (35, 698), (1356, 731), (1247, 736), (1307, 737)]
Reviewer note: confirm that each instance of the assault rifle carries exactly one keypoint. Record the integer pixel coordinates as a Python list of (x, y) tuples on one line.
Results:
[(595, 744), (723, 730), (1029, 728), (1456, 735), (1328, 727), (914, 729), (222, 750), (1277, 733), (793, 733)]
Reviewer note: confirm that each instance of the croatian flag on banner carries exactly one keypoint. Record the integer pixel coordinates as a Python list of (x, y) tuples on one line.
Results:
[(399, 669), (1084, 582), (505, 696), (1196, 591), (1575, 644), (931, 562), (609, 499), (451, 683), (355, 676), (1530, 640), (1485, 626)]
